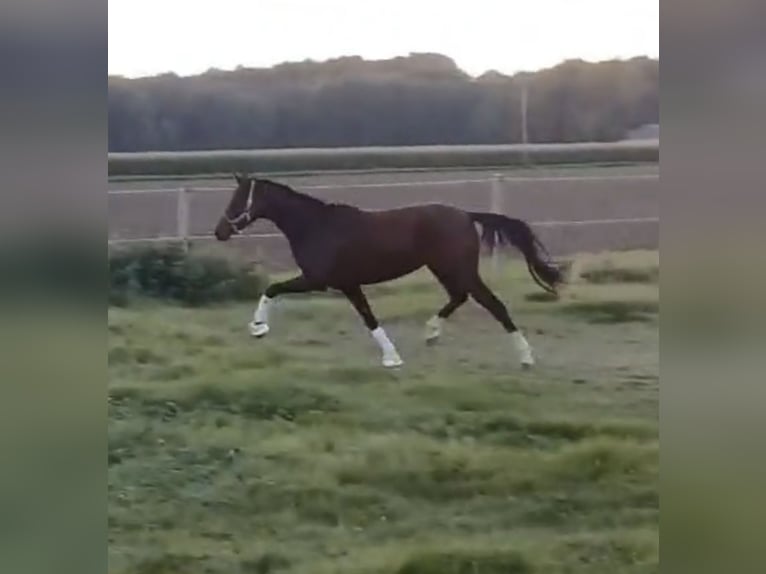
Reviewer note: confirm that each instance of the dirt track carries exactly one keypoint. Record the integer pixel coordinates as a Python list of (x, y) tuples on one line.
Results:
[(576, 195)]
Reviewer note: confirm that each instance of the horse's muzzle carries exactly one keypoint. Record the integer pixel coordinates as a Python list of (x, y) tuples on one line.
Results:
[(223, 230)]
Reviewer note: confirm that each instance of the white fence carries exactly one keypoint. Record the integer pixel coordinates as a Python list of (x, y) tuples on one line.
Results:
[(496, 187)]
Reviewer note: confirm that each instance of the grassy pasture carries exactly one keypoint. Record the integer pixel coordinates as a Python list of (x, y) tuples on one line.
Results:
[(298, 453)]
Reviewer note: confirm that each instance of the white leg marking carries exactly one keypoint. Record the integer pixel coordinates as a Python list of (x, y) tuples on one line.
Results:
[(523, 349), (259, 326), (391, 357), (433, 329)]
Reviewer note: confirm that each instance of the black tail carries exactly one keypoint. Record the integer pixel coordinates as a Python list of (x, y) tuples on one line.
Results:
[(501, 230)]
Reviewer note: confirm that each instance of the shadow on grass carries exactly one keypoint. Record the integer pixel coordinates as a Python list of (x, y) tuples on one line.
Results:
[(601, 312), (264, 401), (609, 274), (467, 562), (512, 430), (541, 297), (270, 401)]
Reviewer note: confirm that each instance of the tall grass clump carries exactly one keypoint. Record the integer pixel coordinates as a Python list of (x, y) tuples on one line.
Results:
[(169, 272)]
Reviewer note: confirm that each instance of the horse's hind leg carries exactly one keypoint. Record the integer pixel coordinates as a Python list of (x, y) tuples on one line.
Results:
[(484, 296), (391, 356), (458, 294)]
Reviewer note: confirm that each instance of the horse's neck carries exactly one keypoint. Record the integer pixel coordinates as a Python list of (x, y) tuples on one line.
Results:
[(295, 217)]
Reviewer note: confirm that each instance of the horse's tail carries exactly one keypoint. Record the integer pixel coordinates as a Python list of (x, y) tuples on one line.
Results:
[(501, 230)]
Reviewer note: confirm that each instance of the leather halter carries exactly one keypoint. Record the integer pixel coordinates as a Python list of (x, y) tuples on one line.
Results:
[(246, 215)]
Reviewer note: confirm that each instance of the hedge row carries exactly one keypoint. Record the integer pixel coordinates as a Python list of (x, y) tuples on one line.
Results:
[(169, 272), (373, 158)]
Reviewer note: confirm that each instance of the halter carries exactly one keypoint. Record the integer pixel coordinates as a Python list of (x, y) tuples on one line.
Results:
[(234, 221)]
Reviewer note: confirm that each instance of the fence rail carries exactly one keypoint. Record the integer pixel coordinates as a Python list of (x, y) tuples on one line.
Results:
[(295, 160), (496, 184)]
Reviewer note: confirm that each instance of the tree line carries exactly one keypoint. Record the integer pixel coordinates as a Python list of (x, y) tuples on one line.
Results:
[(419, 99)]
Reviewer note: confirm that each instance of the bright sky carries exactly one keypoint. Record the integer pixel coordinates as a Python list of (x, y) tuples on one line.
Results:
[(148, 37)]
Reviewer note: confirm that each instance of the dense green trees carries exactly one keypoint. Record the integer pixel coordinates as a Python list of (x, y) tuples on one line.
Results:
[(419, 99)]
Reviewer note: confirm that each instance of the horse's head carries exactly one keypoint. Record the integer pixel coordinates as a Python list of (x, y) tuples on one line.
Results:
[(245, 206)]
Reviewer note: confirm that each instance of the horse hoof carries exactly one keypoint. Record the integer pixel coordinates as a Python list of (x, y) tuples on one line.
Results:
[(258, 329), (527, 366), (392, 362), (433, 330)]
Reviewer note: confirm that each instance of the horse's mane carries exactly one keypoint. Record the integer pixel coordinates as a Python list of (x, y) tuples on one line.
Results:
[(294, 194), (304, 197)]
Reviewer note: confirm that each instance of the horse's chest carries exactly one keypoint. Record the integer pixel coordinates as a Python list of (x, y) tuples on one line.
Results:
[(316, 255)]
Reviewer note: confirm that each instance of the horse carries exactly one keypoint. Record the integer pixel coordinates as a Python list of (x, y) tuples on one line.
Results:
[(343, 248)]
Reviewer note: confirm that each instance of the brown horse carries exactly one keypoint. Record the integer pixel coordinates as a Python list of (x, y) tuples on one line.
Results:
[(343, 248)]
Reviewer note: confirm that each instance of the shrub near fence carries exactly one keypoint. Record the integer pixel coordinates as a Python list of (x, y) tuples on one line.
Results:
[(170, 272), (377, 158)]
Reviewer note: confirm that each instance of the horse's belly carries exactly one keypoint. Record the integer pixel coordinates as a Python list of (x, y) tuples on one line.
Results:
[(378, 247), (388, 272), (365, 267)]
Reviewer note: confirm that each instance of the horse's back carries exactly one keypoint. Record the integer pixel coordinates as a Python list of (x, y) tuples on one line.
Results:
[(432, 231), (429, 217)]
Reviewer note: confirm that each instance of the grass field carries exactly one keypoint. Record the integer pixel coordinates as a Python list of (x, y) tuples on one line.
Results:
[(298, 453)]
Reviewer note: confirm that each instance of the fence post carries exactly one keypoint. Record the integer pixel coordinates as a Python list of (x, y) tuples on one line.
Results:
[(182, 218), (496, 206), (524, 134)]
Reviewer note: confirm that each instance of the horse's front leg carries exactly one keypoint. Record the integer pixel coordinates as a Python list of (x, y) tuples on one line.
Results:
[(259, 326)]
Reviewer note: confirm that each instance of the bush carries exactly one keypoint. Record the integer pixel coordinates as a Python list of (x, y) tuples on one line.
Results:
[(169, 272)]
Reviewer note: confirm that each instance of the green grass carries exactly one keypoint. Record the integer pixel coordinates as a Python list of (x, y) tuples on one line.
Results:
[(298, 453)]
